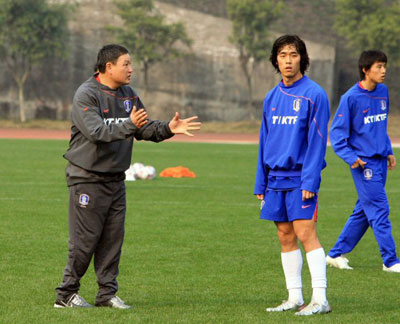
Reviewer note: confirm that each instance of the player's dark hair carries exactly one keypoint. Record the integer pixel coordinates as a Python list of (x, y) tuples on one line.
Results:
[(368, 58), (290, 40), (108, 53)]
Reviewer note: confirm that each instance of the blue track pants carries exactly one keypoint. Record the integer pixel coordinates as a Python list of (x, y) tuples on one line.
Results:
[(372, 209)]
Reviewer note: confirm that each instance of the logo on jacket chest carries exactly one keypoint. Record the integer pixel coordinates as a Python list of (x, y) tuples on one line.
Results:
[(128, 106), (296, 105), (383, 104)]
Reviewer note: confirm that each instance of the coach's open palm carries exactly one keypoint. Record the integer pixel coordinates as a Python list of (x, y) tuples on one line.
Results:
[(183, 126)]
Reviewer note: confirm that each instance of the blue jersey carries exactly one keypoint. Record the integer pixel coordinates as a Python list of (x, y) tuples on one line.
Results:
[(359, 128), (293, 137)]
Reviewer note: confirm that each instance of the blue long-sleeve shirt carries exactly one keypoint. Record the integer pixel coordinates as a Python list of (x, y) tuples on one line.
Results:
[(293, 136), (359, 127)]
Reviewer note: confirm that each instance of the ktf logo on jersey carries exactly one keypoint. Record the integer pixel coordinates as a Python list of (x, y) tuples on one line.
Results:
[(367, 174), (284, 120), (375, 118), (128, 106), (109, 121), (383, 104), (296, 105)]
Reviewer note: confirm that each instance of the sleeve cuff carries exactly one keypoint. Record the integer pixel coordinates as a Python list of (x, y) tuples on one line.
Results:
[(130, 125), (168, 129), (352, 160), (260, 190)]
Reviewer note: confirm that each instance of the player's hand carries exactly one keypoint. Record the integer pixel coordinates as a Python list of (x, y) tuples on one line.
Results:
[(307, 194), (260, 197), (391, 162), (183, 126), (139, 117), (358, 163)]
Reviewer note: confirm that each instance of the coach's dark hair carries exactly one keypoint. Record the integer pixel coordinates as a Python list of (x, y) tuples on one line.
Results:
[(290, 40), (109, 53), (368, 58)]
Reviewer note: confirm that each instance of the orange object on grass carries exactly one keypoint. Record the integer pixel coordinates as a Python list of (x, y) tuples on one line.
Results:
[(177, 172)]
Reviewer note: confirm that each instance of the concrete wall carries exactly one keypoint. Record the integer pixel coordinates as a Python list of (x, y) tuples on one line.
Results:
[(207, 82)]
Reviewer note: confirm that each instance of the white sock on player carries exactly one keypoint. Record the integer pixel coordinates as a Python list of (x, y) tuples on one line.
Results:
[(292, 263), (317, 265)]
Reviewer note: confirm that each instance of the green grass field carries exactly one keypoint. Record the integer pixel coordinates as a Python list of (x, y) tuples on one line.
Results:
[(195, 250)]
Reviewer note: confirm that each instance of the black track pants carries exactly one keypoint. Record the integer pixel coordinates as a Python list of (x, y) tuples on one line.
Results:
[(96, 228)]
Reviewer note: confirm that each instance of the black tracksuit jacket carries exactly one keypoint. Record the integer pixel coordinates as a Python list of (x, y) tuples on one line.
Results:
[(102, 133)]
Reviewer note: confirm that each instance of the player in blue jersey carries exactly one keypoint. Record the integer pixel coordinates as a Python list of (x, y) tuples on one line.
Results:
[(292, 148), (359, 136)]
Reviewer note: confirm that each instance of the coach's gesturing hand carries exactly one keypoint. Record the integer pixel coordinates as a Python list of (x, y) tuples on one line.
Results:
[(183, 126), (139, 117)]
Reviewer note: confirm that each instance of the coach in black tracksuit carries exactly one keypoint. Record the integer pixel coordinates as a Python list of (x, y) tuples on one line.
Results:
[(106, 115)]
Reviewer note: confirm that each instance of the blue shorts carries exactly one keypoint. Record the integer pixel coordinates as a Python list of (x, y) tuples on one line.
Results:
[(287, 206)]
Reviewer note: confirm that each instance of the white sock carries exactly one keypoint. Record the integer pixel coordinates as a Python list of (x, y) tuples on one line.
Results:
[(292, 263), (317, 265)]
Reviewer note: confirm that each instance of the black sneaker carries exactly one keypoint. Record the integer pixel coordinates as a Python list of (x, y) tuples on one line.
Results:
[(114, 302), (74, 301)]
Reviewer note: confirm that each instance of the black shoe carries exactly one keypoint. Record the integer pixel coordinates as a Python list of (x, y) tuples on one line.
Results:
[(114, 302), (74, 301)]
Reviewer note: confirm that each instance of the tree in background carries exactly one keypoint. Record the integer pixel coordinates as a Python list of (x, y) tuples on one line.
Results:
[(370, 24), (30, 31), (251, 21), (146, 34)]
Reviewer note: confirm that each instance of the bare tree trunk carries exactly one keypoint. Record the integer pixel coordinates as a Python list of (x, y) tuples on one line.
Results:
[(251, 105), (146, 80), (21, 102), (20, 80), (244, 61), (21, 98)]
